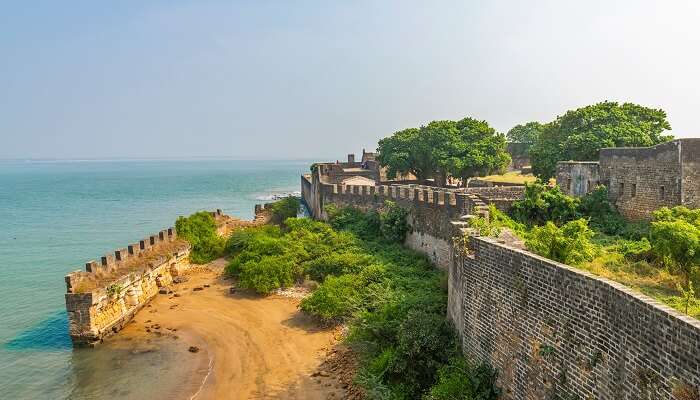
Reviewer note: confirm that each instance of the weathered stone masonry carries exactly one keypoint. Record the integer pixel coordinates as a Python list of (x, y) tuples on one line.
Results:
[(639, 179), (552, 331)]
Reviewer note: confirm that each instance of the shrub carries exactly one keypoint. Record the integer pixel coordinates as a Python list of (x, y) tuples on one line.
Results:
[(603, 216), (336, 299), (337, 264), (267, 274), (199, 229), (393, 225), (542, 204), (570, 244), (285, 208), (364, 225), (459, 380), (425, 342), (677, 242)]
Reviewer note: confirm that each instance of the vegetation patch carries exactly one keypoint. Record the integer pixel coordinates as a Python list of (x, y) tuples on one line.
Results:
[(393, 299), (200, 230), (660, 259)]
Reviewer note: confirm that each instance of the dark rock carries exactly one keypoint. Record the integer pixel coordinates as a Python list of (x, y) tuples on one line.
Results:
[(206, 285), (176, 295), (163, 290), (198, 288), (232, 290), (193, 349)]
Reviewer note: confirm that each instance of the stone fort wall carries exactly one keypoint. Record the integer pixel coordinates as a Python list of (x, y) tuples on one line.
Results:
[(105, 296), (551, 330)]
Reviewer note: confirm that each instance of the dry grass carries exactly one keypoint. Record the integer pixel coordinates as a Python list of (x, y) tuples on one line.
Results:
[(649, 279), (102, 278), (511, 177)]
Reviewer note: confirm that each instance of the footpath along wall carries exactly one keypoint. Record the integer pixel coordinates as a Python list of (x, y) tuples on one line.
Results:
[(552, 331), (105, 296)]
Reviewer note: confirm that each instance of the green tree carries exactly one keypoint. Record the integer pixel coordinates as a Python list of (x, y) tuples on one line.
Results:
[(527, 133), (479, 151), (403, 152), (579, 134), (441, 149)]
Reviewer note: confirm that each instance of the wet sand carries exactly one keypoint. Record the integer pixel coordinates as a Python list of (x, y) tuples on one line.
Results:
[(250, 347)]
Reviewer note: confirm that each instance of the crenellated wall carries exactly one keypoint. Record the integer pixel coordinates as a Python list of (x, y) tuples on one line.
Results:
[(552, 331), (101, 299), (105, 296)]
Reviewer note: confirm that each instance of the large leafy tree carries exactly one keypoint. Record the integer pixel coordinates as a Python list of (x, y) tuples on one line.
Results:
[(401, 153), (579, 134), (481, 150), (526, 133), (441, 149)]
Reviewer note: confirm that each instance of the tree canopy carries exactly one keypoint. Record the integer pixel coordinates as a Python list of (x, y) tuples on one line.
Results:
[(526, 133), (579, 134), (461, 149)]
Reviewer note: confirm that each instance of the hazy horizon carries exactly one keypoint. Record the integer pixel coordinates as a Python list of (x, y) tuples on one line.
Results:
[(290, 81)]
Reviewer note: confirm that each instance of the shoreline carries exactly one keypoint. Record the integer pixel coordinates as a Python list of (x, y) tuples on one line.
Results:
[(248, 346)]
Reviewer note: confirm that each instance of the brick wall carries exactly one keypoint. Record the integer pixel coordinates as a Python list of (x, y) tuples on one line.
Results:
[(557, 332)]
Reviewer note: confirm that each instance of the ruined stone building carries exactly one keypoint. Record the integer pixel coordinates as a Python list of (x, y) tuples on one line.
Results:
[(639, 179)]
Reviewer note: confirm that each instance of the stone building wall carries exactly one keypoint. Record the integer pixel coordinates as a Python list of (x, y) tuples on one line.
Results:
[(690, 174), (552, 331), (577, 178), (641, 180)]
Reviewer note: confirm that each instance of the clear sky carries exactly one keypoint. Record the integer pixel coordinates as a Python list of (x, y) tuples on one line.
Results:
[(317, 79)]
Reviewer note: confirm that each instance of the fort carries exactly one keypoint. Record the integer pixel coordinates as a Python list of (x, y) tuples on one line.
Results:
[(551, 330), (105, 296), (639, 179)]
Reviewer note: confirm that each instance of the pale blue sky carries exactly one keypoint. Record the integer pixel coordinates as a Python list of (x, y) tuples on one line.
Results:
[(307, 79)]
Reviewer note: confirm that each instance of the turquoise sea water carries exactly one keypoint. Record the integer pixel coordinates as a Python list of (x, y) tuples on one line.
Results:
[(56, 215)]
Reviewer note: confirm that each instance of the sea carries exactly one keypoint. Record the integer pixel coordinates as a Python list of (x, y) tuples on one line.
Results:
[(56, 215)]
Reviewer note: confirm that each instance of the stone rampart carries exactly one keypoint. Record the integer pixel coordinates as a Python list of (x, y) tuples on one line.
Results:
[(552, 331), (104, 297)]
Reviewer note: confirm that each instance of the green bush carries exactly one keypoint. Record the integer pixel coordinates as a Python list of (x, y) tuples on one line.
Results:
[(425, 342), (394, 300), (336, 299), (459, 380), (393, 225), (337, 264), (199, 229), (542, 204), (365, 225), (285, 208), (603, 216), (268, 273), (570, 244)]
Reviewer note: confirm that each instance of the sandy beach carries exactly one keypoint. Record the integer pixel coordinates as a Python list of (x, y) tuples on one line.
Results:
[(249, 347)]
